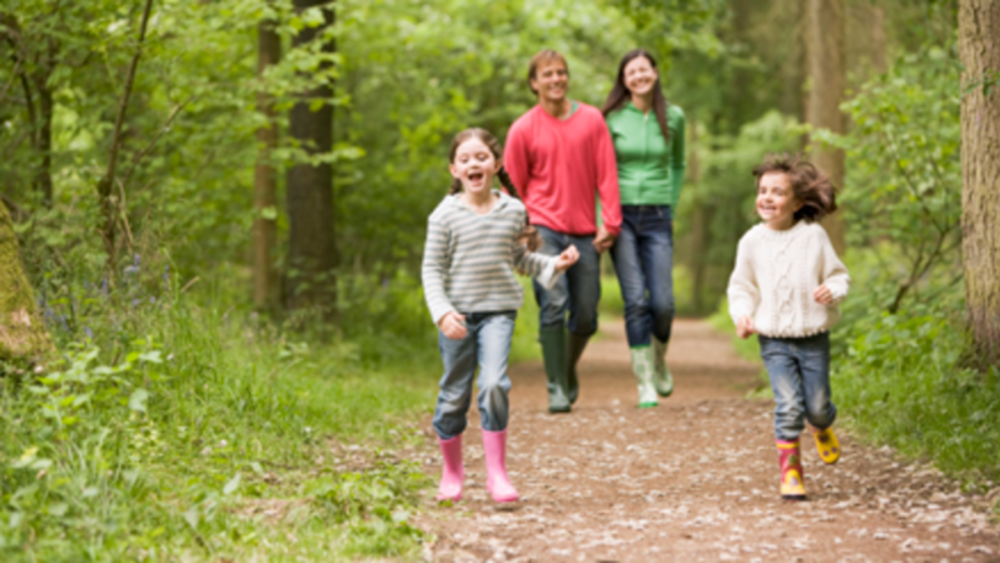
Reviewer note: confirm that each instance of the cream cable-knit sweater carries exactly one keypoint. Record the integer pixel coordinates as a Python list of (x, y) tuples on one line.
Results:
[(775, 276)]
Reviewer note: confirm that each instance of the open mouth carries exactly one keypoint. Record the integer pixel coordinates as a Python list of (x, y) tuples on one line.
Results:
[(476, 176)]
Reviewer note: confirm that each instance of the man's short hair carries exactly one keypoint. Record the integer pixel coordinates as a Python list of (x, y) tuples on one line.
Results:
[(540, 57)]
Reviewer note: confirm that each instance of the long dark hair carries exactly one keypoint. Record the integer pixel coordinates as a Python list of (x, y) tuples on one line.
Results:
[(529, 235), (620, 94), (809, 184)]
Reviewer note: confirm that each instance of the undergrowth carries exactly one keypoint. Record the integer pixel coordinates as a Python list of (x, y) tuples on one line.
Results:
[(178, 427)]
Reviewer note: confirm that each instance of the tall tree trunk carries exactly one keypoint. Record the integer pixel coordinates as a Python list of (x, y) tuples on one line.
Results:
[(979, 45), (312, 248), (23, 336), (824, 37), (265, 277), (699, 227)]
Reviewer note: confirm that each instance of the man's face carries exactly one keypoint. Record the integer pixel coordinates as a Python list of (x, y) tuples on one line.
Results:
[(551, 80)]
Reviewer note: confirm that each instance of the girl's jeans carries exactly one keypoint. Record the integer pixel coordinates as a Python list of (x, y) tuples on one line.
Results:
[(578, 291), (643, 255), (800, 378), (486, 344)]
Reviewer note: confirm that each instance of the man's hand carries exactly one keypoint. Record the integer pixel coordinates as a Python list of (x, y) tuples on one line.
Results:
[(603, 239), (823, 295), (567, 258), (744, 327), (453, 325)]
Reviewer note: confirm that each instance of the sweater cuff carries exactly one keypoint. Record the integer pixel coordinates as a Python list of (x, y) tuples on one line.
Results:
[(438, 313), (549, 275), (838, 290)]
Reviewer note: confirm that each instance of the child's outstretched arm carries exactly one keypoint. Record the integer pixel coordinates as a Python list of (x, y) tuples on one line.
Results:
[(836, 280), (546, 269), (435, 263), (742, 292)]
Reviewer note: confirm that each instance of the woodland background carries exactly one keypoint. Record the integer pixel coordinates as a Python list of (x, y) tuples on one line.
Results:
[(220, 210)]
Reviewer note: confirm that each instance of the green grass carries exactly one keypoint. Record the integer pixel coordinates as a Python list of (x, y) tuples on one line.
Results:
[(213, 436)]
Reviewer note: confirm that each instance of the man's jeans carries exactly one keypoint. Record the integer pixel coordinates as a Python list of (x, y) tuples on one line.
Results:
[(643, 255), (486, 344), (799, 369), (577, 292)]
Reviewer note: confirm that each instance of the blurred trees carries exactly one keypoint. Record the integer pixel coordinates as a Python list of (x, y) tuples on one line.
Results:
[(233, 168)]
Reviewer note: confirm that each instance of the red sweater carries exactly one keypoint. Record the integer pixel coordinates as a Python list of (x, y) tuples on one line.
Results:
[(558, 167)]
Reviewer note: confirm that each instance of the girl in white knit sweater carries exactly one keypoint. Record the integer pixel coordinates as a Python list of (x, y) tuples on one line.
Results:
[(786, 287)]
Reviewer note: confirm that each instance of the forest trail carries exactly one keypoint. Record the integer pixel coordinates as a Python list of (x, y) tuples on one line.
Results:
[(695, 479)]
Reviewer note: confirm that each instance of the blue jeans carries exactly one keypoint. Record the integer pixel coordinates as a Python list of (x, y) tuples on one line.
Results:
[(577, 291), (486, 344), (643, 256), (799, 369)]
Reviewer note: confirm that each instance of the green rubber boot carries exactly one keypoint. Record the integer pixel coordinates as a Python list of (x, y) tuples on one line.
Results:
[(553, 340), (576, 345), (643, 367), (662, 378)]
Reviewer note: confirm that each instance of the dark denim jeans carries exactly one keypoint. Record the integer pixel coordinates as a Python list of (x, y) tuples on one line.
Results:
[(486, 345), (643, 256), (799, 369), (577, 292)]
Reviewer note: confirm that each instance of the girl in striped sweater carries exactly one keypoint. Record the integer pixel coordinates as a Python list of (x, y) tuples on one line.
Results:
[(476, 239)]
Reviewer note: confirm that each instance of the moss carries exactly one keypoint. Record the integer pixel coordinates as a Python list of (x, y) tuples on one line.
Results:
[(23, 336)]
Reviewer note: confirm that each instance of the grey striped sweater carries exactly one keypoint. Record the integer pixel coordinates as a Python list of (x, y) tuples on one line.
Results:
[(469, 259)]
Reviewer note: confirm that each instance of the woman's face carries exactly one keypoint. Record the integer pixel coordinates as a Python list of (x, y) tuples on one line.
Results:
[(776, 202), (474, 166), (640, 76)]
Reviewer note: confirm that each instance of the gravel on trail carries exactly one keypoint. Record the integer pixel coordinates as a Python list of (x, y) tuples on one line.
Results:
[(695, 479)]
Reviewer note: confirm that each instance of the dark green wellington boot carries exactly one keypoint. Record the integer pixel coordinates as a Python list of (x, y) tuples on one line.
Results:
[(576, 345), (553, 340)]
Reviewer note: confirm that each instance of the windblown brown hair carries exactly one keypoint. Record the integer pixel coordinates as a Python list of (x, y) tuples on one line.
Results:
[(809, 184), (620, 94), (539, 58), (529, 236)]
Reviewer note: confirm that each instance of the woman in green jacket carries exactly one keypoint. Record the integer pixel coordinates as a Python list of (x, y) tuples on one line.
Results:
[(648, 135)]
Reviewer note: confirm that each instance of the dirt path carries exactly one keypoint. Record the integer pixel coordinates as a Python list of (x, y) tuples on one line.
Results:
[(695, 479)]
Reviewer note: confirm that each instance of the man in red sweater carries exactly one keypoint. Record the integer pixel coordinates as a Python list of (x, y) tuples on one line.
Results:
[(560, 156)]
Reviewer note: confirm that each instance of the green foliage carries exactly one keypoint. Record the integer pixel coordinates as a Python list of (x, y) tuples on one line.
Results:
[(902, 384), (172, 448), (904, 179)]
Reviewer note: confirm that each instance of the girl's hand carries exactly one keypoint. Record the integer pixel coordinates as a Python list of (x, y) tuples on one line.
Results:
[(567, 258), (744, 327), (823, 295), (453, 325)]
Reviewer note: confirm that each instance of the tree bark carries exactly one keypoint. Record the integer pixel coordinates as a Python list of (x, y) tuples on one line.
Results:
[(309, 191), (23, 336), (979, 46), (824, 37), (265, 276)]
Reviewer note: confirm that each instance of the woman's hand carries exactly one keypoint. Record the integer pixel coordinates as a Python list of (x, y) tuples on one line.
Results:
[(823, 295), (567, 258), (453, 325), (744, 327)]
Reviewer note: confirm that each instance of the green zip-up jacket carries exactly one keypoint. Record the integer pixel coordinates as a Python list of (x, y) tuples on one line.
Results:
[(650, 169)]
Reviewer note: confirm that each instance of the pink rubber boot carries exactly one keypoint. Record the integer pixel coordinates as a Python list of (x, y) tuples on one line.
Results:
[(497, 483), (452, 472)]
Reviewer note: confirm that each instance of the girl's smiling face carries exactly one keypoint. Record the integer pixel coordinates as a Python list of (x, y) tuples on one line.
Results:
[(474, 165), (776, 202)]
